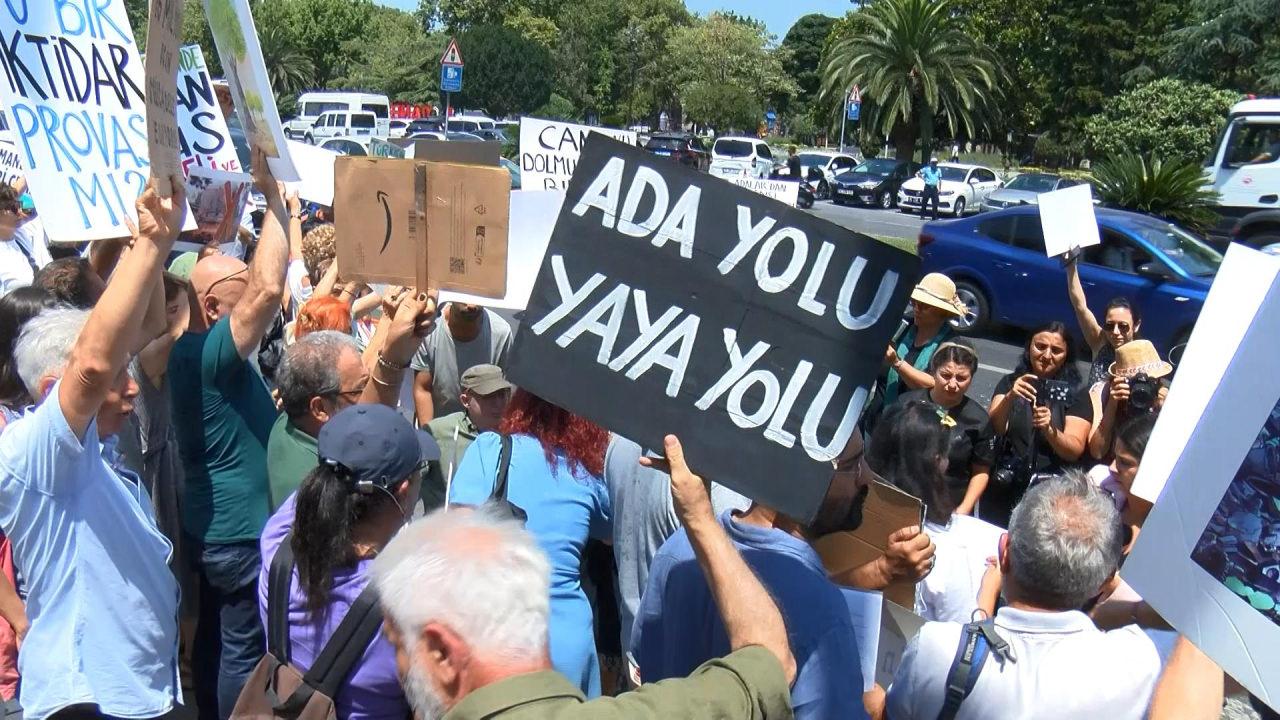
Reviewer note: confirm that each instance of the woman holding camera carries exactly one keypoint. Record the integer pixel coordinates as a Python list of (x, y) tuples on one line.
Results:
[(1041, 418), (1136, 388), (969, 448)]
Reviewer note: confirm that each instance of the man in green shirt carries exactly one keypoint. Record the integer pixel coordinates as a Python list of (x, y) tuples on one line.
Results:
[(485, 393), (460, 663)]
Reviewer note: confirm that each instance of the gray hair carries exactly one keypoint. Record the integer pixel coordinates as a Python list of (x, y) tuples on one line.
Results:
[(310, 368), (44, 346), (1065, 541), (480, 574)]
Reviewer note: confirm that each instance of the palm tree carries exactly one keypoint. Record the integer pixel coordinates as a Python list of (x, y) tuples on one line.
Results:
[(914, 62), (288, 67)]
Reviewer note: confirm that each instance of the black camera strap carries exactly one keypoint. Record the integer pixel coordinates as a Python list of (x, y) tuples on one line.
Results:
[(977, 642)]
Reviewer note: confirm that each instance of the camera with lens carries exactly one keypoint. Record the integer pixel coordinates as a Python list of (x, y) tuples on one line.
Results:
[(1011, 467), (1143, 390)]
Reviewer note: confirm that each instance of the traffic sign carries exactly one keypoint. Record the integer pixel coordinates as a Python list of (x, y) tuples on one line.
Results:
[(452, 56), (855, 111), (451, 78), (855, 95)]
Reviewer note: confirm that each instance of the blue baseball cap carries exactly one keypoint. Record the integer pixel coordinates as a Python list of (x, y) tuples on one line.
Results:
[(374, 445)]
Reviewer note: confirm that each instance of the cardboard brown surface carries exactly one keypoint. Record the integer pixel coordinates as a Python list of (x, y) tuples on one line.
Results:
[(380, 227), (164, 24), (886, 511), (468, 209)]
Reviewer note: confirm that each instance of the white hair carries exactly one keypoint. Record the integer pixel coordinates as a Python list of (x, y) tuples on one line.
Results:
[(45, 343), (481, 575)]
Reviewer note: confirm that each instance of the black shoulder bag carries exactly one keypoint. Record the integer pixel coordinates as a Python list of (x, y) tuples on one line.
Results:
[(499, 496)]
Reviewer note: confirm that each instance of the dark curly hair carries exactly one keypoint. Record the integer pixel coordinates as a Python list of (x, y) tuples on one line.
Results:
[(905, 449), (581, 441)]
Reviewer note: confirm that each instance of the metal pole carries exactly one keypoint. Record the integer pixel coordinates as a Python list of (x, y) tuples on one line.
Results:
[(448, 109), (843, 117)]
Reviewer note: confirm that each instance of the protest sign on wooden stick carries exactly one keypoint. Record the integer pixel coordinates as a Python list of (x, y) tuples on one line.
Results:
[(164, 25)]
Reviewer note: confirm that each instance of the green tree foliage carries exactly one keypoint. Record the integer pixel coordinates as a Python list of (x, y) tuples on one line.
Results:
[(915, 62), (288, 68), (395, 57), (1168, 118), (724, 70), (506, 72), (1014, 32), (1230, 43), (804, 43), (1169, 189), (318, 29), (557, 108)]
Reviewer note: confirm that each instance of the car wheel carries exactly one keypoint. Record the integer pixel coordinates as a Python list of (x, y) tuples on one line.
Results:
[(885, 200), (823, 192), (836, 199), (959, 209), (905, 210), (309, 139), (979, 315), (805, 202)]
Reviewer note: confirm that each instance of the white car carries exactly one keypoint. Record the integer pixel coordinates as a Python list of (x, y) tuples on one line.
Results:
[(741, 157), (343, 123), (397, 128), (963, 188), (826, 162)]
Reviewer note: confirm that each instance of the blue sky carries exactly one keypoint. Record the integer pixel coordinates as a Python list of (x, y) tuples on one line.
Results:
[(778, 15)]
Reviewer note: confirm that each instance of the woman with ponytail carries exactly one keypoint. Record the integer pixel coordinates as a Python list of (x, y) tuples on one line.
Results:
[(345, 512)]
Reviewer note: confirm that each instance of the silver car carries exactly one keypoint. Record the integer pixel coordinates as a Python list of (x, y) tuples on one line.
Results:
[(1024, 189)]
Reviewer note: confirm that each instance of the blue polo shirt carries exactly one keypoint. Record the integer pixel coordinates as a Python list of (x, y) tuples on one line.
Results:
[(102, 602), (932, 175), (678, 626)]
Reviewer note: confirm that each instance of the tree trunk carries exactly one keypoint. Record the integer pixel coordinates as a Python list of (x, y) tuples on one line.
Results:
[(926, 135), (903, 138)]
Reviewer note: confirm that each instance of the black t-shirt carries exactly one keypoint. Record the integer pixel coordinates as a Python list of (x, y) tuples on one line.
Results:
[(793, 168), (970, 441), (1020, 429)]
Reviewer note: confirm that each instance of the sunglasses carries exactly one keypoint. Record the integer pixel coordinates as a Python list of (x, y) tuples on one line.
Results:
[(1112, 325)]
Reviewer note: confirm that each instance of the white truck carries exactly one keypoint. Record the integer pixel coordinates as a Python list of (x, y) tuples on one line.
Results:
[(312, 105), (1245, 171)]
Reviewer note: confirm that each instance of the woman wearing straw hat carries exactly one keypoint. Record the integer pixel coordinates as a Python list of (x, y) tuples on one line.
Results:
[(1136, 387), (934, 304)]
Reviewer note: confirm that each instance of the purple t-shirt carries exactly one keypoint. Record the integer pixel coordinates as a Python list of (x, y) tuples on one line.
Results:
[(372, 690)]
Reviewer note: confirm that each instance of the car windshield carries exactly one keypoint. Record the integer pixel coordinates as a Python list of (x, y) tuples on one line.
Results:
[(1179, 245), (881, 167), (808, 160), (364, 120), (954, 174), (665, 143), (733, 148), (1033, 183)]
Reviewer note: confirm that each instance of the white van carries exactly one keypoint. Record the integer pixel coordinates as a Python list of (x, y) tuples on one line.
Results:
[(741, 156), (1245, 172), (314, 104), (343, 123)]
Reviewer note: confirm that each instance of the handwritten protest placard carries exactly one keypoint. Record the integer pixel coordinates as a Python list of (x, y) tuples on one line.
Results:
[(549, 150), (10, 165), (231, 23), (671, 302), (206, 141), (164, 24), (72, 85), (784, 191)]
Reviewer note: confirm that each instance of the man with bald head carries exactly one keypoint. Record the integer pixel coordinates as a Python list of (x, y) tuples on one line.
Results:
[(223, 413)]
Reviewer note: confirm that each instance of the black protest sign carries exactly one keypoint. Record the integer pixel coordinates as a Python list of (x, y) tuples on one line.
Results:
[(673, 302)]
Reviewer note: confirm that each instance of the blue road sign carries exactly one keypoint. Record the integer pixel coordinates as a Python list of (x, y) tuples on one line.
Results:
[(451, 78), (855, 110)]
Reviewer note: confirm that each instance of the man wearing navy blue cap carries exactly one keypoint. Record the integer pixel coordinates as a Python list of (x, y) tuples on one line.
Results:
[(374, 445)]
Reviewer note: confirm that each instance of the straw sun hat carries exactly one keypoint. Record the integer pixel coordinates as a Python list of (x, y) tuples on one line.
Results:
[(937, 290), (1138, 356)]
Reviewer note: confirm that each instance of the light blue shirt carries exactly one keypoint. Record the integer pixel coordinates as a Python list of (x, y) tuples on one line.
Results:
[(932, 175), (565, 508), (102, 602), (678, 626)]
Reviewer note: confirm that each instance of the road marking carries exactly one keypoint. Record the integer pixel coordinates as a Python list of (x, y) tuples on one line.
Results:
[(995, 369)]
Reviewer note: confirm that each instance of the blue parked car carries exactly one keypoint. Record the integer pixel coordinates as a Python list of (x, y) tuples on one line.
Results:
[(998, 262)]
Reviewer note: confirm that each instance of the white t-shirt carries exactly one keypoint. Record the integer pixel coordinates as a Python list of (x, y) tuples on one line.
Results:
[(299, 283), (950, 591), (15, 270)]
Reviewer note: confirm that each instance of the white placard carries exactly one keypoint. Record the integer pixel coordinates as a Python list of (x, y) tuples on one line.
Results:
[(206, 140), (1068, 220), (549, 150), (10, 165), (533, 217), (234, 34), (784, 191), (315, 167), (1213, 451)]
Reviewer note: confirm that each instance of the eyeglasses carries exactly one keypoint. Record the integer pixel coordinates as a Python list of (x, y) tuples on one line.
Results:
[(233, 276), (1111, 325)]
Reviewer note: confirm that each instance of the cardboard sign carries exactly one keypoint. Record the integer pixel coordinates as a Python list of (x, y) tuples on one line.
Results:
[(164, 25), (202, 129), (784, 191), (1068, 220), (474, 153), (886, 511), (898, 626), (423, 224), (73, 89), (549, 150), (217, 201), (671, 302), (237, 40), (10, 164), (533, 216), (1208, 556)]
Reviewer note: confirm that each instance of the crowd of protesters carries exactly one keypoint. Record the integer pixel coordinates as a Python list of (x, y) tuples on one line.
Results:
[(208, 459)]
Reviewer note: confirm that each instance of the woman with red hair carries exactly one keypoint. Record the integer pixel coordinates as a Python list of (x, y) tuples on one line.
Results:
[(557, 460), (322, 312)]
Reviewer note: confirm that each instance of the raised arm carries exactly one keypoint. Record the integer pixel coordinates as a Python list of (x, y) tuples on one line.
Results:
[(414, 317), (750, 615), (1089, 326), (103, 349), (264, 292), (1190, 687)]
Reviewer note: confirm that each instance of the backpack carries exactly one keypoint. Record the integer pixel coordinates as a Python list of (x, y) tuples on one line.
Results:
[(278, 690)]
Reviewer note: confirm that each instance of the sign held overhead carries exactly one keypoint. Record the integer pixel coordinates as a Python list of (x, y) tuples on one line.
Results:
[(549, 150)]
